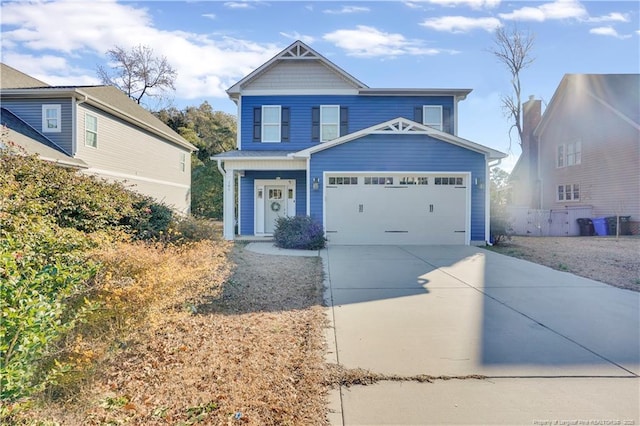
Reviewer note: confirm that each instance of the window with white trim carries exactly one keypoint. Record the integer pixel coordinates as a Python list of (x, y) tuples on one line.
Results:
[(432, 116), (569, 154), (51, 118), (90, 130), (574, 153), (271, 123), (329, 122), (183, 162), (568, 192)]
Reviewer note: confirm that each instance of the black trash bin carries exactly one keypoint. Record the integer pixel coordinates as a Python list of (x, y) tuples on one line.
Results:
[(612, 225), (625, 225), (586, 227)]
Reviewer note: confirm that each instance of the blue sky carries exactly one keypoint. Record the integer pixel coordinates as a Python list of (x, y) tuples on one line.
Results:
[(419, 44)]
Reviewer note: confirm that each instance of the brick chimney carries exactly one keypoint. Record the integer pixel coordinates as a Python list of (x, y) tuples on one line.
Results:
[(531, 116)]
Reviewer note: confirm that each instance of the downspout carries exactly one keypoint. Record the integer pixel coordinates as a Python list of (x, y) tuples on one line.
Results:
[(74, 125), (223, 172)]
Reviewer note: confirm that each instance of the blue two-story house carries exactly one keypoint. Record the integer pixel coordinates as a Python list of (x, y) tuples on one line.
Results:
[(373, 166)]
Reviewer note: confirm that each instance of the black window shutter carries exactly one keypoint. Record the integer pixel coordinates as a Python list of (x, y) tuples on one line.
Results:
[(315, 123), (344, 121), (284, 124), (417, 114), (446, 120), (257, 124)]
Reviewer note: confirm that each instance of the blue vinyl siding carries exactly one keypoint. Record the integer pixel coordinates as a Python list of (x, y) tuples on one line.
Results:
[(364, 111), (403, 153), (247, 204), (30, 111)]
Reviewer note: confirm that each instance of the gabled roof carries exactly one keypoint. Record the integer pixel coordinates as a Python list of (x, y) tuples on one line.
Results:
[(297, 51), (106, 98), (33, 142), (403, 126), (620, 93), (11, 78)]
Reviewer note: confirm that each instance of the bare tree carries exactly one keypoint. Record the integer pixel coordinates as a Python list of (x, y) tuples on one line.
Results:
[(513, 49), (138, 72)]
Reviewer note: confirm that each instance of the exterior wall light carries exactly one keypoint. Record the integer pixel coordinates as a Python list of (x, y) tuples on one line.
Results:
[(316, 184)]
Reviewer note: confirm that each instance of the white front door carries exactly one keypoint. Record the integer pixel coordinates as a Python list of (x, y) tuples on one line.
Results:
[(275, 206)]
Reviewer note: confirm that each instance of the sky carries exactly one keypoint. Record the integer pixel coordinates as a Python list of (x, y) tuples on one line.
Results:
[(384, 44)]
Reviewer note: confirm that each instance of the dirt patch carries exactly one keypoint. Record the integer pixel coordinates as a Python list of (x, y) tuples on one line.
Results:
[(606, 259), (246, 351)]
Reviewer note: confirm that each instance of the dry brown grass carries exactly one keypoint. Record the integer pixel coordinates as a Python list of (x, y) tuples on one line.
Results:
[(614, 261), (212, 337)]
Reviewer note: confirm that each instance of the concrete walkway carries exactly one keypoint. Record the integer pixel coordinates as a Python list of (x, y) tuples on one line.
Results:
[(555, 347)]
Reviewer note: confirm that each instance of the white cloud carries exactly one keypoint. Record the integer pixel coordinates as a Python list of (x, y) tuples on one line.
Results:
[(297, 36), (612, 17), (474, 4), (461, 24), (559, 9), (347, 10), (209, 15), (607, 31), (367, 41), (238, 5), (33, 42)]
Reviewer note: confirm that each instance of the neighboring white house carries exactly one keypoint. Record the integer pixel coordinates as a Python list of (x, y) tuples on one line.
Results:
[(100, 131)]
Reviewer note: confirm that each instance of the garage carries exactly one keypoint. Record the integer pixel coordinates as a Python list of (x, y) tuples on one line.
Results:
[(397, 208)]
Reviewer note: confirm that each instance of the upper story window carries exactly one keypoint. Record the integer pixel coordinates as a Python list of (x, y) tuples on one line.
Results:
[(183, 162), (432, 116), (91, 130), (569, 154), (51, 118), (271, 124), (329, 122)]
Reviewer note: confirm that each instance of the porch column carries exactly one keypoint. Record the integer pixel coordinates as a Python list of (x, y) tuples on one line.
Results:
[(229, 208)]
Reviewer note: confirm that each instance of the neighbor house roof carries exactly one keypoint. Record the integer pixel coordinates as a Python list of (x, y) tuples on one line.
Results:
[(106, 98), (403, 126), (33, 142), (620, 93), (11, 78)]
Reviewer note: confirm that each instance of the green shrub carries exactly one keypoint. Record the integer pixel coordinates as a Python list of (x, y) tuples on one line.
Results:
[(299, 232)]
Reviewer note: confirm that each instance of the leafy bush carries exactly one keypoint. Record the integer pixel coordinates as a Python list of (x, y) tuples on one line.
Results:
[(189, 228), (299, 232)]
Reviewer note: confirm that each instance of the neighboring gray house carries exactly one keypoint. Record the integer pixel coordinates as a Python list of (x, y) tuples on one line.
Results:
[(100, 131), (584, 151)]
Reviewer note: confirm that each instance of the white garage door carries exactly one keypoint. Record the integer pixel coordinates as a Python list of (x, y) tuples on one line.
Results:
[(396, 208)]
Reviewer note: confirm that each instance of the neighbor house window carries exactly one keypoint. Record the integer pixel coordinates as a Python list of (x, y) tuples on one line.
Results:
[(560, 156), (569, 154), (432, 116), (569, 192), (183, 162), (574, 153), (51, 118), (91, 130)]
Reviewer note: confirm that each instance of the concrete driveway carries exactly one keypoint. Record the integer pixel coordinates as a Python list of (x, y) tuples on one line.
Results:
[(554, 347)]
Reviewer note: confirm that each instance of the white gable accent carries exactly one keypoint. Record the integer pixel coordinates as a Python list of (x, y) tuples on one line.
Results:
[(402, 126), (302, 58), (290, 76)]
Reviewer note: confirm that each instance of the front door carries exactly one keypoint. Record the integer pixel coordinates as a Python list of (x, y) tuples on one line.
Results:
[(275, 206)]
